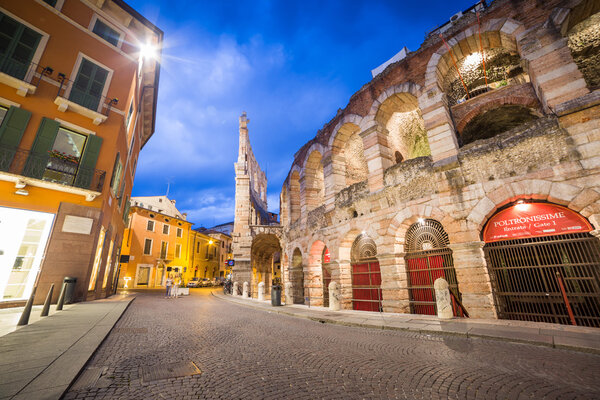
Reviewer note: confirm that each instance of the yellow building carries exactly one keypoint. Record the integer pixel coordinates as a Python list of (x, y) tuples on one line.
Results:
[(78, 92), (204, 259), (155, 244)]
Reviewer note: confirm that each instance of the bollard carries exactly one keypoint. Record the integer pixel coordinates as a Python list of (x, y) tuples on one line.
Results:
[(245, 292), (46, 308), (334, 296), (24, 320), (261, 291), (61, 297), (235, 289), (289, 299), (442, 299)]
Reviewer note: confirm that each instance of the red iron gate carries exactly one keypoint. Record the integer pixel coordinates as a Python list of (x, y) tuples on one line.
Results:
[(366, 286)]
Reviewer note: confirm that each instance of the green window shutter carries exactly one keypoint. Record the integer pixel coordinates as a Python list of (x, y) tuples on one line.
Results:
[(122, 192), (38, 156), (11, 132), (126, 210), (87, 164), (18, 44), (88, 85)]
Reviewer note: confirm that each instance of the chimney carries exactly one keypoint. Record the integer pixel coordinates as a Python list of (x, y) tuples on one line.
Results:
[(184, 215), (173, 201)]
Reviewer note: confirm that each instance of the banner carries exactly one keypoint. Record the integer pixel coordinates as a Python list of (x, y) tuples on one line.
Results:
[(533, 220)]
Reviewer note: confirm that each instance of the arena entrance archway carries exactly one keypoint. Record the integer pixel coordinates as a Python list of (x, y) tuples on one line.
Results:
[(544, 264), (428, 258), (297, 277), (366, 275), (266, 261)]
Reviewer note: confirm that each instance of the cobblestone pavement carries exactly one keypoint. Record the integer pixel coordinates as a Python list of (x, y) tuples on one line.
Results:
[(245, 353)]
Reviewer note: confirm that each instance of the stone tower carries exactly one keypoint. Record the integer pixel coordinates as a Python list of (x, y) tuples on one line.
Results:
[(250, 204)]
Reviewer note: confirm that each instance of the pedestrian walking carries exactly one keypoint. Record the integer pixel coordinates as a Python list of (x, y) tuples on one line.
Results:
[(169, 284)]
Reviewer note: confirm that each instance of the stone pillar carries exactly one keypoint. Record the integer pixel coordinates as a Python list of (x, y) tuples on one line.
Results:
[(245, 292), (334, 296), (289, 299), (261, 291), (438, 123), (394, 283), (235, 289), (341, 273), (377, 154), (442, 299), (334, 178), (473, 279)]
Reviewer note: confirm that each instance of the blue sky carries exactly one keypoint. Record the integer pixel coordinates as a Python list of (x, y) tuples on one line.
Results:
[(289, 64)]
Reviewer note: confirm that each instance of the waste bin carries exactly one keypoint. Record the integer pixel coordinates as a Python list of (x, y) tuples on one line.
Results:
[(69, 289), (275, 295)]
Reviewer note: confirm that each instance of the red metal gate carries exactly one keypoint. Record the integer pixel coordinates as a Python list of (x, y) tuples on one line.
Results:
[(366, 286)]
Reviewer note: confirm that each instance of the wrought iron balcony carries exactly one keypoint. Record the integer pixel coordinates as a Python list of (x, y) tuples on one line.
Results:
[(50, 168), (20, 74)]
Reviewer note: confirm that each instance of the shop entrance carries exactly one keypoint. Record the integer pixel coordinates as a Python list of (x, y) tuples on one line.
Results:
[(366, 275), (427, 259), (538, 271)]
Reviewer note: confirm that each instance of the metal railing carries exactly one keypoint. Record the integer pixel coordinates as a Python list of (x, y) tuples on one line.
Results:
[(46, 167), (91, 102), (24, 70)]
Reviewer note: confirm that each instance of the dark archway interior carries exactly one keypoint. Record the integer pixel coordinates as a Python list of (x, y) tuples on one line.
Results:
[(496, 121)]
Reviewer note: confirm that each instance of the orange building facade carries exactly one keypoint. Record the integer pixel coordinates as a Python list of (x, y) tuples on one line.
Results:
[(78, 92)]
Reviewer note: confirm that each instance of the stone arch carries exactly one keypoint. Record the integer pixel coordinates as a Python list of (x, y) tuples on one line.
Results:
[(397, 109), (315, 276), (579, 24), (396, 232), (314, 182), (265, 253), (297, 276), (294, 195), (584, 201), (499, 47), (349, 164), (284, 205)]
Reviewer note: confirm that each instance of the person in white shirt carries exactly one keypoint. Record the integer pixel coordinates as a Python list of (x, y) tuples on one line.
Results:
[(169, 286)]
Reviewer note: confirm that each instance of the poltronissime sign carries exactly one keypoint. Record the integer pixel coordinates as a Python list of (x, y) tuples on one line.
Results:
[(534, 220)]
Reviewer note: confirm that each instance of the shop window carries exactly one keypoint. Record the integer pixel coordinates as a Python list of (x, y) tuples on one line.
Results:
[(18, 44), (108, 264), (89, 85), (97, 259), (165, 229), (148, 247), (106, 32), (150, 226), (65, 156)]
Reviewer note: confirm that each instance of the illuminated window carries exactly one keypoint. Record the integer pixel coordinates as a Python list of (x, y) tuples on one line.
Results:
[(97, 259), (108, 264), (106, 32)]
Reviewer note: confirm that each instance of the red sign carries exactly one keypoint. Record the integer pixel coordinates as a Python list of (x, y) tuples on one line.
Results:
[(532, 220), (326, 257)]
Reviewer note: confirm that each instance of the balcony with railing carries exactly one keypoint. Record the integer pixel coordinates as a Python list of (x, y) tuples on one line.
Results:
[(25, 76), (69, 97), (51, 170)]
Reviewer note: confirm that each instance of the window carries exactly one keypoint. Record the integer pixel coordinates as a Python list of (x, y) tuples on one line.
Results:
[(148, 247), (116, 176), (129, 114), (197, 247), (108, 265), (106, 32), (3, 112), (97, 259), (89, 84), (178, 251), (163, 250), (179, 232), (18, 44), (51, 3), (65, 156), (165, 229), (150, 226)]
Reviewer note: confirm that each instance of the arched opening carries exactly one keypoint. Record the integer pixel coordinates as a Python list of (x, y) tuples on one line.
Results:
[(326, 270), (283, 206), (349, 155), (428, 258), (297, 277), (294, 197), (265, 261), (495, 121), (583, 33), (366, 275), (544, 264), (314, 182), (401, 116), (503, 67)]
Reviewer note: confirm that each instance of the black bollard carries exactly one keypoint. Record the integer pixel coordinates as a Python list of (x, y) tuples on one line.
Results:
[(61, 297), (46, 308), (27, 311)]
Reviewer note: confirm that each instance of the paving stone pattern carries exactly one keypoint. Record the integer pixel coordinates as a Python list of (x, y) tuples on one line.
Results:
[(245, 353)]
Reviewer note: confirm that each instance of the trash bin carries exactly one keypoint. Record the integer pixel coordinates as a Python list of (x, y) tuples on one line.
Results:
[(275, 295), (70, 289)]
